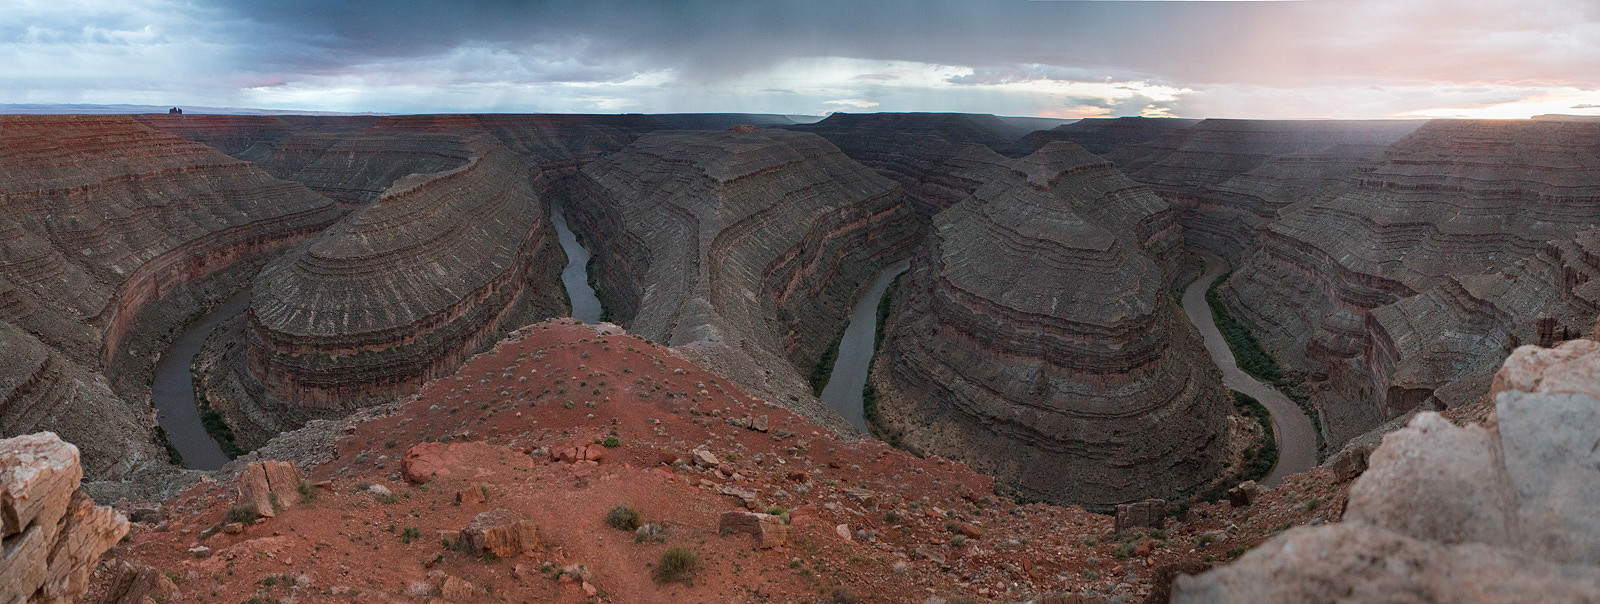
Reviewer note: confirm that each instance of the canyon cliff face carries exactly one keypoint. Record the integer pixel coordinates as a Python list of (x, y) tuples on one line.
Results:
[(399, 292), (1035, 339), (742, 248), (938, 158), (1101, 135), (1229, 178), (250, 136), (1408, 288), (114, 235)]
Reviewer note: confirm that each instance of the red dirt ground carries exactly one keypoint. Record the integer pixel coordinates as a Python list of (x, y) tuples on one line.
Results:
[(558, 384)]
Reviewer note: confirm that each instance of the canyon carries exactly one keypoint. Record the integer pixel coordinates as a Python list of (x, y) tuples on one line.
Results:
[(355, 294), (742, 248)]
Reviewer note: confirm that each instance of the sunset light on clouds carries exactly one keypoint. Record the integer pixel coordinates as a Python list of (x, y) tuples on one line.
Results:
[(1075, 58)]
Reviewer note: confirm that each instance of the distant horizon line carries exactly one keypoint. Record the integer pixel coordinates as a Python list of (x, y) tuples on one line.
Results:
[(140, 109)]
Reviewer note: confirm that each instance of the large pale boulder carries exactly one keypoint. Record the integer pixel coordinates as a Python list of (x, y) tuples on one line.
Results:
[(1573, 368), (770, 531), (1549, 443), (501, 532), (53, 533), (1436, 482), (1508, 513), (270, 486), (1357, 562)]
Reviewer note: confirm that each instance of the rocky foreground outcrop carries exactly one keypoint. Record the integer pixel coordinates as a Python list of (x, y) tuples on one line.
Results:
[(1504, 512), (396, 294), (54, 534), (1036, 341), (1409, 288), (114, 235), (743, 248)]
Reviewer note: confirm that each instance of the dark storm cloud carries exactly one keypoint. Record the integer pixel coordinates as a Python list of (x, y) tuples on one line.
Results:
[(707, 41), (1266, 43), (1312, 58)]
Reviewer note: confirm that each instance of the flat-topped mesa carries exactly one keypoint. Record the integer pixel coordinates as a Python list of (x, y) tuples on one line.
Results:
[(1036, 340), (1228, 178), (1101, 135), (938, 158), (553, 142), (399, 292), (237, 135), (1408, 288), (743, 248), (114, 234)]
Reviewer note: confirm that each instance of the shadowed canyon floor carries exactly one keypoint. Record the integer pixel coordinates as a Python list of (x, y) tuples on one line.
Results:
[(848, 375), (1296, 436), (173, 389)]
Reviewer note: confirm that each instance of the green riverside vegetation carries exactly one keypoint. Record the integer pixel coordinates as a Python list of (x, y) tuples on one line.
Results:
[(1246, 350), (869, 395), (824, 368), (1254, 360), (215, 425), (1259, 460)]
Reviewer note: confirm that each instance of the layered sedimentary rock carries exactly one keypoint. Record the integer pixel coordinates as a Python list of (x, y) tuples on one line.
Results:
[(247, 135), (938, 158), (1469, 238), (1036, 341), (354, 159), (397, 293), (114, 234), (552, 142), (1100, 135), (54, 534), (742, 247), (1504, 512), (1228, 178), (354, 168)]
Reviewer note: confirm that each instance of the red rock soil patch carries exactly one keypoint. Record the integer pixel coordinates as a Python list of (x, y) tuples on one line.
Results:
[(917, 527)]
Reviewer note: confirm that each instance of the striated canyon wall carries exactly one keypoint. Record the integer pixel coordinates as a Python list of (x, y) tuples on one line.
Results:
[(1229, 178), (743, 248), (1101, 135), (938, 158), (114, 235), (1408, 288), (399, 292), (1035, 340)]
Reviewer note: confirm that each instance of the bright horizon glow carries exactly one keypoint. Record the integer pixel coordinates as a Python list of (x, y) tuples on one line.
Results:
[(1268, 59)]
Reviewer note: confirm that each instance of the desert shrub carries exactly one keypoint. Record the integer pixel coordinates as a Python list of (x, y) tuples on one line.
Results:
[(245, 513), (677, 564), (623, 518)]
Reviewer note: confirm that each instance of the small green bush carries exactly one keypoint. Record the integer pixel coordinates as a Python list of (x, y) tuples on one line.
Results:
[(677, 564), (623, 518), (245, 513), (611, 442)]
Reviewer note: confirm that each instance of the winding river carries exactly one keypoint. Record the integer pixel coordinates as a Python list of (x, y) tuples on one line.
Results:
[(172, 392), (849, 376), (1297, 438), (575, 277)]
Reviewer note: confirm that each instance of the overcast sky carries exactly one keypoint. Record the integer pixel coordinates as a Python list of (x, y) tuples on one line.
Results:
[(1266, 59)]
